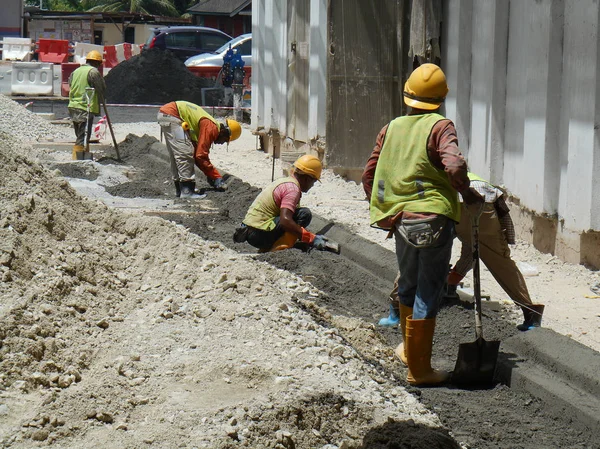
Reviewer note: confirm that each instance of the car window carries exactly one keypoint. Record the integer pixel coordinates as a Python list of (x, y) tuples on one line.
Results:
[(212, 41), (181, 39), (245, 49)]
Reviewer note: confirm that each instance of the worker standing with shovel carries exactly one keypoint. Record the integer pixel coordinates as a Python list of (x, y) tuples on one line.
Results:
[(412, 180), (81, 111)]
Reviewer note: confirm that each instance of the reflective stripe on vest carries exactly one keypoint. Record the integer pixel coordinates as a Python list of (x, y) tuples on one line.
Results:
[(263, 211), (405, 178), (191, 113), (79, 82)]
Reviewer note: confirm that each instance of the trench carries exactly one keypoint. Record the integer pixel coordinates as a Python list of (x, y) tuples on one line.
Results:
[(356, 284)]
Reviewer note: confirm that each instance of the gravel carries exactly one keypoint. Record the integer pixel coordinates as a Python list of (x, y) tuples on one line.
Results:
[(26, 126)]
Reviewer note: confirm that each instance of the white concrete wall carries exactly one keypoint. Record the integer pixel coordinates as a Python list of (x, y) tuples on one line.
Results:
[(524, 94), (270, 58)]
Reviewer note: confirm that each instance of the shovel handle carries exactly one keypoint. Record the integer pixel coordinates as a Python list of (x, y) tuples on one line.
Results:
[(476, 276), (112, 134)]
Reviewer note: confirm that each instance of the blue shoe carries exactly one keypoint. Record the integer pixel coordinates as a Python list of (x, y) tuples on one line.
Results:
[(392, 320)]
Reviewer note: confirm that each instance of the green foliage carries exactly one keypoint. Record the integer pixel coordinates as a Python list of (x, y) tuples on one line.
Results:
[(172, 8)]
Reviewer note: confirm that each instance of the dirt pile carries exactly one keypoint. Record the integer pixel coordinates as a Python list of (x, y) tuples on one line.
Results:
[(131, 331), (153, 77)]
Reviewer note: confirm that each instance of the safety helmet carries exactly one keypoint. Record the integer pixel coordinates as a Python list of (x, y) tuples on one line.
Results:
[(94, 55), (235, 129), (426, 88), (309, 165)]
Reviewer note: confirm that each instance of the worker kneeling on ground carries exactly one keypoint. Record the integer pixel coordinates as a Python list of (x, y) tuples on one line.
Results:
[(86, 76), (412, 180), (189, 132), (275, 221)]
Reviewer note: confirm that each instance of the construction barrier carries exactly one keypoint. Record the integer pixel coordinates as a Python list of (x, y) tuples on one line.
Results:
[(32, 78), (215, 72), (17, 49), (65, 72), (81, 50), (55, 51), (110, 56)]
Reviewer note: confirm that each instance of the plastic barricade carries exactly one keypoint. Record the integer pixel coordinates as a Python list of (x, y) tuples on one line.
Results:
[(16, 49), (65, 71), (81, 50), (110, 56), (213, 73), (55, 51), (136, 49), (32, 78), (127, 50)]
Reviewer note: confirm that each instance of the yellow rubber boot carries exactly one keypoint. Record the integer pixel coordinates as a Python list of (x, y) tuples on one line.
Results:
[(419, 340), (405, 313), (286, 241), (77, 149)]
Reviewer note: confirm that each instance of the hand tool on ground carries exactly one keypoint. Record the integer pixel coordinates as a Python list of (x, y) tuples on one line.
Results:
[(111, 130), (330, 246), (476, 361)]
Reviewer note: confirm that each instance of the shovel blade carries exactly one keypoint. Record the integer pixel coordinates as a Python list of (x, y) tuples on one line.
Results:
[(476, 362)]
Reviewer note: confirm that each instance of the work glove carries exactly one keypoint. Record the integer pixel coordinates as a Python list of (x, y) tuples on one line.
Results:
[(319, 242)]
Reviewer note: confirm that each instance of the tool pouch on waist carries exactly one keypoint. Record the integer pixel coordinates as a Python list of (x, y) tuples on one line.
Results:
[(241, 234), (422, 232)]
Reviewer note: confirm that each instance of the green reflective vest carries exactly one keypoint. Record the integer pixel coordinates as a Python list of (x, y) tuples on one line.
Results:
[(79, 82), (263, 211), (405, 178), (192, 113)]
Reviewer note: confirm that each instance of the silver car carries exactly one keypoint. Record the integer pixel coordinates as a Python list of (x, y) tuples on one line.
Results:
[(242, 44)]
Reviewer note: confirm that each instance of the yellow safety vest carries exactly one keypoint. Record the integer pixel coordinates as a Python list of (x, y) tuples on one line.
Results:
[(263, 211), (79, 82), (192, 113), (405, 178)]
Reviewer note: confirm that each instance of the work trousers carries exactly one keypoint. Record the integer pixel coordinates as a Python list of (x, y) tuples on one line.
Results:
[(494, 252), (80, 120), (265, 239), (423, 272), (179, 146), (182, 152)]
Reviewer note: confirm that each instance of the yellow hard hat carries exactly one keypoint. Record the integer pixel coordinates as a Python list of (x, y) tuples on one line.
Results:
[(309, 165), (426, 88), (94, 55), (235, 130), (185, 126)]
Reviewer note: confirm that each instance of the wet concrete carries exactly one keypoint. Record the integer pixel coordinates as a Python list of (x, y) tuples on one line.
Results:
[(492, 417)]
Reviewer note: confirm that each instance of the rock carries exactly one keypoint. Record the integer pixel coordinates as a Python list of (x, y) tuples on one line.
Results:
[(104, 417), (3, 409), (103, 323), (40, 435)]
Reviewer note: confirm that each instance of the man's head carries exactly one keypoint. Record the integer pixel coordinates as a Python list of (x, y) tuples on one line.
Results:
[(307, 170), (94, 58), (426, 88), (229, 131)]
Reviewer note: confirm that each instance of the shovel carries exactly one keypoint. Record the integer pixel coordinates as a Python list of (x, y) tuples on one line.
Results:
[(476, 361)]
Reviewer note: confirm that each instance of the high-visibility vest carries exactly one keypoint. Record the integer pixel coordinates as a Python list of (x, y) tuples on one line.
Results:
[(79, 82), (405, 178), (264, 210), (192, 114)]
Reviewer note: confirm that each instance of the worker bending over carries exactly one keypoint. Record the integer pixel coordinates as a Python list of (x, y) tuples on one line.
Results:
[(496, 232), (189, 133), (86, 76), (412, 178), (275, 220)]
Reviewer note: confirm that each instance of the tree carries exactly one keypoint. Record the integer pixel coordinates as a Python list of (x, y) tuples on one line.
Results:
[(150, 7)]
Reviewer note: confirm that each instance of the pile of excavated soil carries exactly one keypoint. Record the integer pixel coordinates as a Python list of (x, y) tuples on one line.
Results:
[(122, 330), (154, 76)]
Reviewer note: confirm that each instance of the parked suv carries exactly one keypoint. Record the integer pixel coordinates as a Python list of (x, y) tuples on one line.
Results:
[(186, 41)]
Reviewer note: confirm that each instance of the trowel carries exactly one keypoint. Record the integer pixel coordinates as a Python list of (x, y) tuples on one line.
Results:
[(330, 246)]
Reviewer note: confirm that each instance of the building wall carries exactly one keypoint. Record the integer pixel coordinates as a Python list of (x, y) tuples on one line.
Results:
[(524, 94), (273, 61), (11, 22)]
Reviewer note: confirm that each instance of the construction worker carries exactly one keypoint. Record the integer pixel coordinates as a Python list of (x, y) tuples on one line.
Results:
[(496, 232), (275, 221), (189, 133), (86, 76), (411, 179)]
